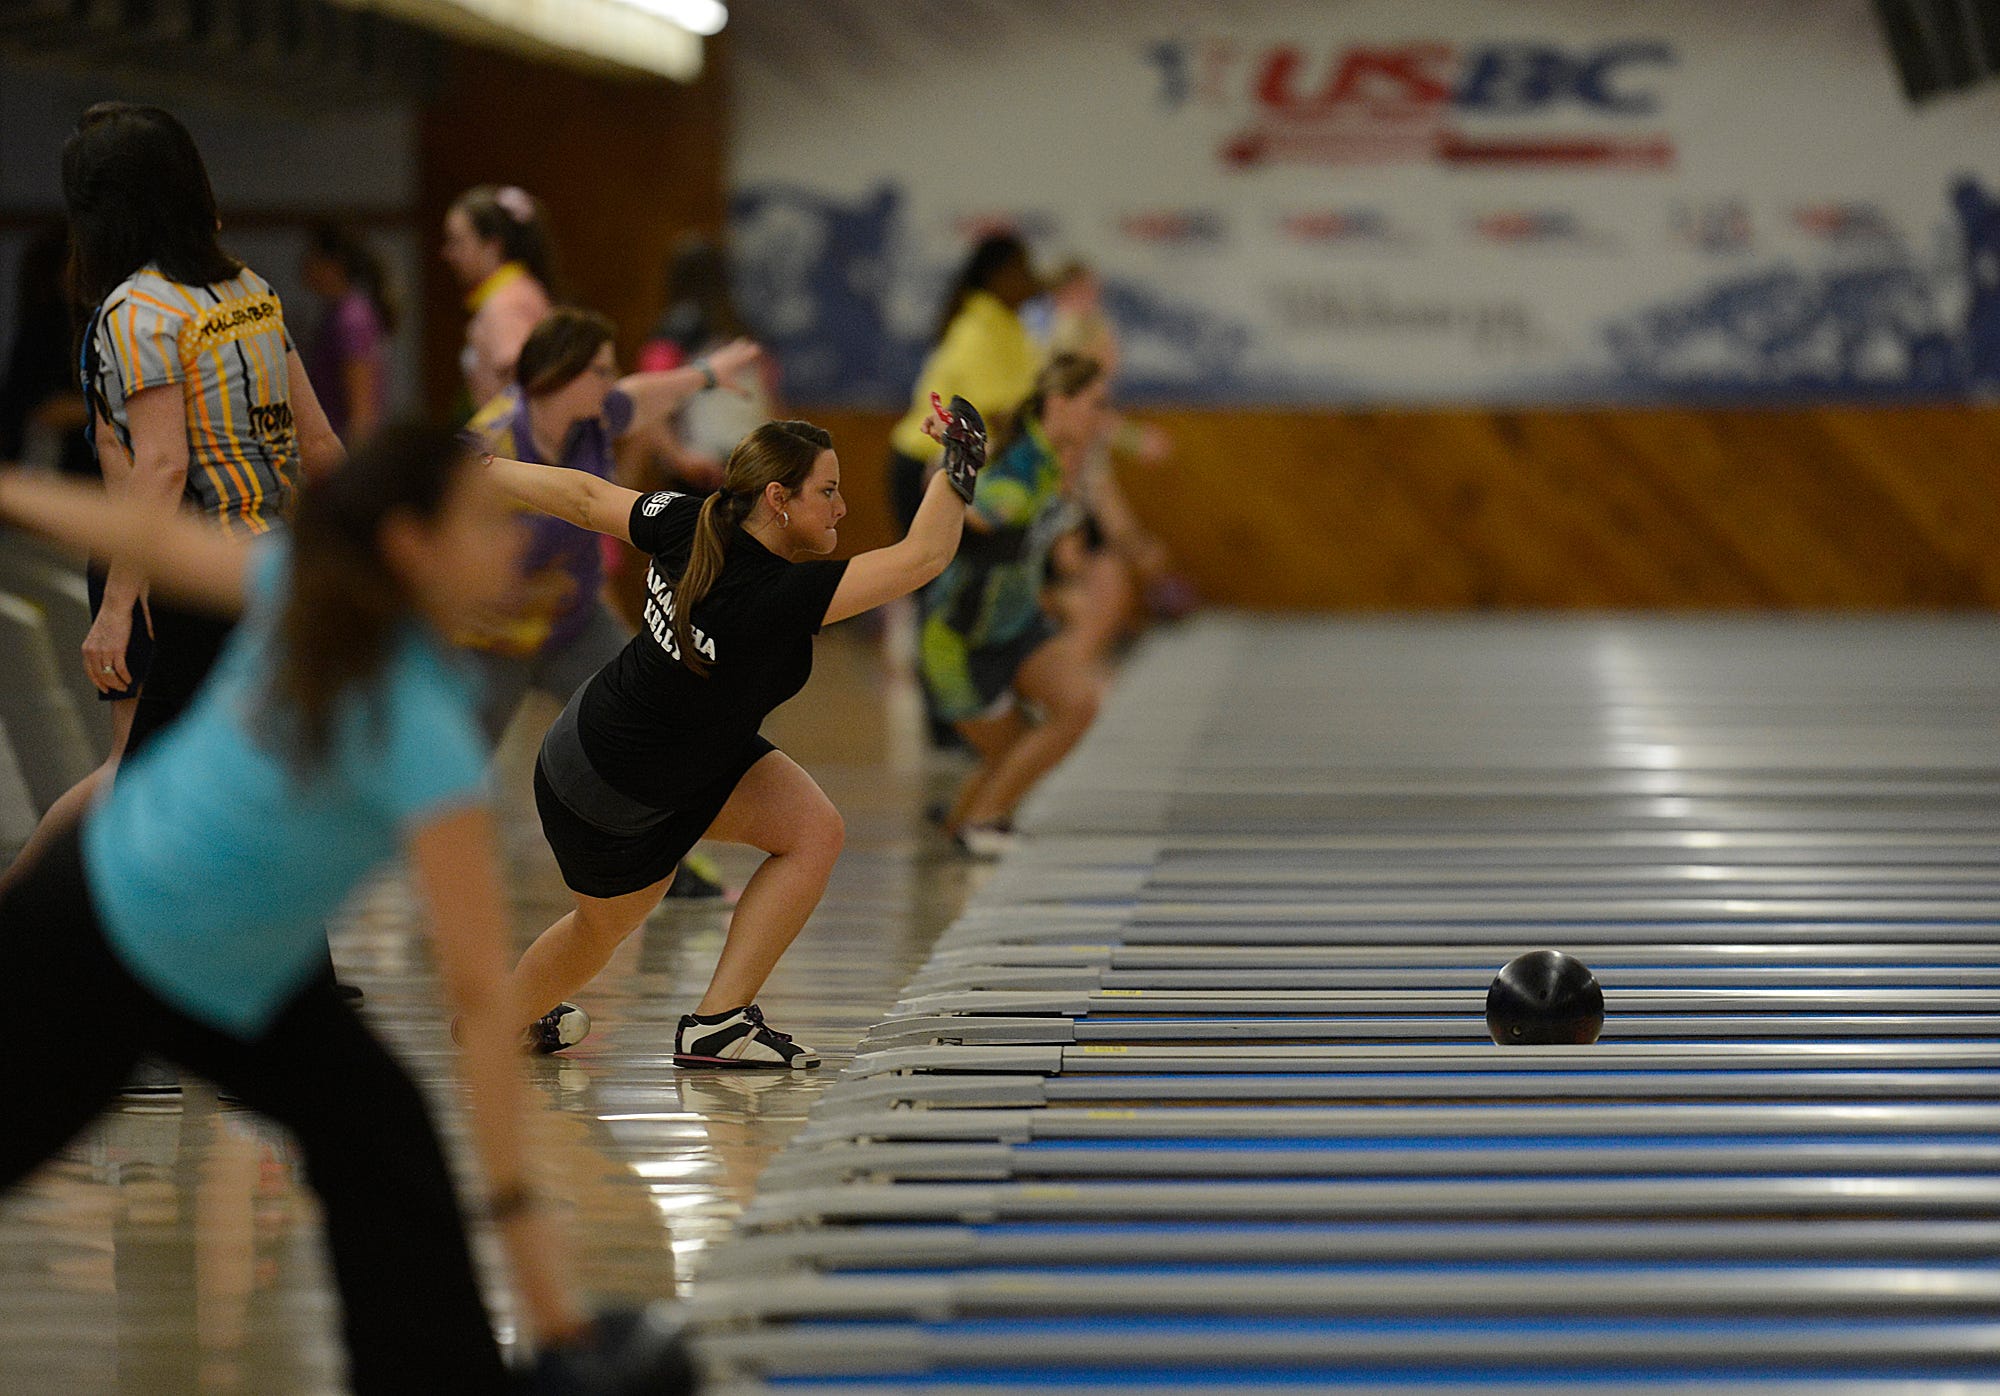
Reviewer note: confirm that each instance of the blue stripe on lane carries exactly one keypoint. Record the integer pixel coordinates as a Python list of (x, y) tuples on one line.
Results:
[(1524, 1143)]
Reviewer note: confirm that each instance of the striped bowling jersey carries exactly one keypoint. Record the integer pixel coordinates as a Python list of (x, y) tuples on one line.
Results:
[(225, 346)]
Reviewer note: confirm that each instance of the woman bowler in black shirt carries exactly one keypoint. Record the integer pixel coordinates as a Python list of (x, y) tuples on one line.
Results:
[(661, 748)]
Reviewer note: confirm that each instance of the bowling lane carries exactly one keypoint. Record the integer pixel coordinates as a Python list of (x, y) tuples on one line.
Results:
[(1201, 1090)]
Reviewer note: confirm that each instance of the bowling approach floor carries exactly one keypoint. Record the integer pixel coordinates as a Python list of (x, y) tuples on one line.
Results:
[(176, 1251), (1196, 1093)]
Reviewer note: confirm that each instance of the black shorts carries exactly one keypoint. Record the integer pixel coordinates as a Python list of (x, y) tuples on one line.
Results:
[(138, 651), (598, 862), (1094, 538), (968, 685), (186, 646)]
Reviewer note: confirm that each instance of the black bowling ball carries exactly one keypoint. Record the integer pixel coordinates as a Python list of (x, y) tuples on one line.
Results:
[(1544, 997), (628, 1352)]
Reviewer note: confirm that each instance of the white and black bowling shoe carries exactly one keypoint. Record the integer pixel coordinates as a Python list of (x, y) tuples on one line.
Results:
[(985, 843), (738, 1038), (565, 1025)]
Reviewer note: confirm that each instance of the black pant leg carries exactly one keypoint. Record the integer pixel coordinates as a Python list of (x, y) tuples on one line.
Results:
[(186, 645), (55, 963), (412, 1313)]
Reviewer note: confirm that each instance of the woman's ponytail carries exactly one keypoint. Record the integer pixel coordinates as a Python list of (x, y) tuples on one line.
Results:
[(721, 516), (777, 453)]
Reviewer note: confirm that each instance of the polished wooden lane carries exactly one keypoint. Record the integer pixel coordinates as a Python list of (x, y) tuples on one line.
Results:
[(177, 1251)]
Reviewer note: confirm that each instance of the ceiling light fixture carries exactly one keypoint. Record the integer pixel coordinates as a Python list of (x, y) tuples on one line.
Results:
[(703, 17)]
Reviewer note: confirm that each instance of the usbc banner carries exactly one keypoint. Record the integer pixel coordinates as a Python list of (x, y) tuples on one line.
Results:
[(1299, 201)]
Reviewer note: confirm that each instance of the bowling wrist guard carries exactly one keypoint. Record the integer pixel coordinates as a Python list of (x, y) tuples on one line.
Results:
[(964, 440)]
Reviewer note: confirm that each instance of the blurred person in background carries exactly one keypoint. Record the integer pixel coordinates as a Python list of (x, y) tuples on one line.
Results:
[(197, 398), (567, 408), (347, 356), (1076, 322), (1020, 687), (1117, 575), (496, 243), (982, 352), (687, 450), (42, 411), (700, 317)]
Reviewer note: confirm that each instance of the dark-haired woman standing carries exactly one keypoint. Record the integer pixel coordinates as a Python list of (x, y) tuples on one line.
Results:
[(190, 371), (701, 316), (348, 356), (496, 243), (198, 400), (982, 352), (184, 916), (662, 747)]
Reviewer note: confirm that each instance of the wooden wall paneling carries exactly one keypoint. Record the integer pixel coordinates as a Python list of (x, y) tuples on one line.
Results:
[(624, 167), (1840, 507), (1812, 516), (1620, 505), (1938, 467), (1628, 508)]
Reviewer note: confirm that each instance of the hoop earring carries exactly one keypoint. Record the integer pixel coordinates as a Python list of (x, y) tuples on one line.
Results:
[(784, 518)]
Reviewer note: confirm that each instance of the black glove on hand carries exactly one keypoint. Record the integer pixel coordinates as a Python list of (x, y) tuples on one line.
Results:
[(964, 444)]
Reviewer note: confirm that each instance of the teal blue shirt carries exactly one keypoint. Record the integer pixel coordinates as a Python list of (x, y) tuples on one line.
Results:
[(216, 859)]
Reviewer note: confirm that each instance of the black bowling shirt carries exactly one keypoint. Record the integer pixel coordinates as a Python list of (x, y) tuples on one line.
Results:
[(653, 728)]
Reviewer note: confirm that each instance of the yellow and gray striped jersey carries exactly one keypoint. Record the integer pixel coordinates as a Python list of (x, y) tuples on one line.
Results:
[(225, 346)]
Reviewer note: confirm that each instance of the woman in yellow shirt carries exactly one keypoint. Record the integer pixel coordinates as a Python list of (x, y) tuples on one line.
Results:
[(984, 354)]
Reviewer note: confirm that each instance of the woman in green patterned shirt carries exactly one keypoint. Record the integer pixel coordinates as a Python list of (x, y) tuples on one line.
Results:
[(989, 652)]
